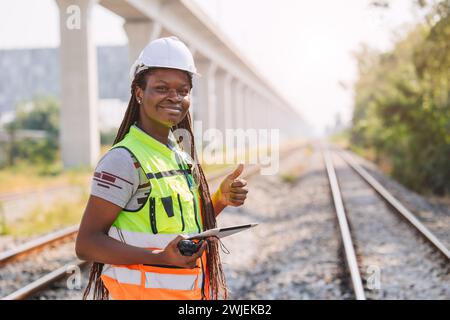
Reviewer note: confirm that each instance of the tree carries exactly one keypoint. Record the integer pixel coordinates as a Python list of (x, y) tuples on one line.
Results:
[(40, 114), (402, 108)]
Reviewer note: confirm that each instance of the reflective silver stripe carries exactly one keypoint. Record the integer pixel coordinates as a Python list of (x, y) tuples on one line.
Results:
[(123, 275), (142, 239), (170, 281), (153, 280)]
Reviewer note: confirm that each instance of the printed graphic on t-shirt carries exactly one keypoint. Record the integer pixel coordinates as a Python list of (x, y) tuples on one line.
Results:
[(120, 179), (107, 180)]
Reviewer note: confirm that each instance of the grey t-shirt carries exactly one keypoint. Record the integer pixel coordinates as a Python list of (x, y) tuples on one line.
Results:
[(118, 178)]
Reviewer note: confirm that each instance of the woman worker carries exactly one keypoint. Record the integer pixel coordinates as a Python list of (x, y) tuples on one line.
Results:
[(144, 198)]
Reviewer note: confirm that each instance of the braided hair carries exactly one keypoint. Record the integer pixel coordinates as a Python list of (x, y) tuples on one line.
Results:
[(215, 278)]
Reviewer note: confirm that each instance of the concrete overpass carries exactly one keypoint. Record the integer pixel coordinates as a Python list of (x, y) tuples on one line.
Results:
[(231, 93)]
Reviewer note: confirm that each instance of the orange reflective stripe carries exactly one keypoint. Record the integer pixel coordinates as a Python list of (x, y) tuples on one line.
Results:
[(153, 282), (121, 291), (164, 270)]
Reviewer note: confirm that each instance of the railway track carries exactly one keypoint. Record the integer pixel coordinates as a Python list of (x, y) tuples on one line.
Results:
[(389, 253), (298, 250), (21, 257), (37, 244), (347, 242), (295, 252)]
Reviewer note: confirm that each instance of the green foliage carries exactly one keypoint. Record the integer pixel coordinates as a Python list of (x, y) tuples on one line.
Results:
[(40, 114), (402, 106), (107, 138)]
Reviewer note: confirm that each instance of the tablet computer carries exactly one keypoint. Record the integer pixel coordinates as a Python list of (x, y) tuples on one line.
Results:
[(222, 232)]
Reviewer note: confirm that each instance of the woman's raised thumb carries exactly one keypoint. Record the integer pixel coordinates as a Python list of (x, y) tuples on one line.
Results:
[(237, 172)]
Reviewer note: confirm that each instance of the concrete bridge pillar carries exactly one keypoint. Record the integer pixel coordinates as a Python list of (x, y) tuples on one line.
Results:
[(228, 102), (240, 106), (139, 34), (267, 112), (224, 101), (248, 104), (206, 101), (220, 100), (79, 133), (234, 103)]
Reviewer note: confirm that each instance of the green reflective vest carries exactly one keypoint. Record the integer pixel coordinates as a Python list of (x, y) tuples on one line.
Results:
[(172, 206)]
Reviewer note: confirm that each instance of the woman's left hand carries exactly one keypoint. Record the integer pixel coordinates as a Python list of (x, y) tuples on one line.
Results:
[(233, 190)]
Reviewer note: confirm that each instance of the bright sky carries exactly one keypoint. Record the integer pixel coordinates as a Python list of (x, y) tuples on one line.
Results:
[(303, 47)]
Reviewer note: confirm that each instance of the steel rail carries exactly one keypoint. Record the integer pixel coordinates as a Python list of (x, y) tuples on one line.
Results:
[(43, 282), (344, 228), (396, 204), (30, 246)]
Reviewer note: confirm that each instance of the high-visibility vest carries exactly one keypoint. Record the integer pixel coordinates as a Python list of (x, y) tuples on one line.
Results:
[(172, 207)]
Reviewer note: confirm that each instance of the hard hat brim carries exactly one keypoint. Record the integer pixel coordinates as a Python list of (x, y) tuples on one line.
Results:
[(135, 70)]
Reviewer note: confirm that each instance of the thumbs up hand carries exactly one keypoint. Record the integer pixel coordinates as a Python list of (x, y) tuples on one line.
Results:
[(233, 190)]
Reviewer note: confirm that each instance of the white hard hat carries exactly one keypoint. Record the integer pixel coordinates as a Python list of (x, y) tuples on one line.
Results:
[(167, 52)]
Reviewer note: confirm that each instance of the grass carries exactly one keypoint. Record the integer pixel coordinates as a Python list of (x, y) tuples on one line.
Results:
[(23, 177), (342, 139), (288, 178), (294, 174), (308, 150), (40, 221)]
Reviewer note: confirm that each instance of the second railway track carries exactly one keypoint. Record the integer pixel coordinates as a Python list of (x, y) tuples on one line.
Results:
[(399, 258)]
